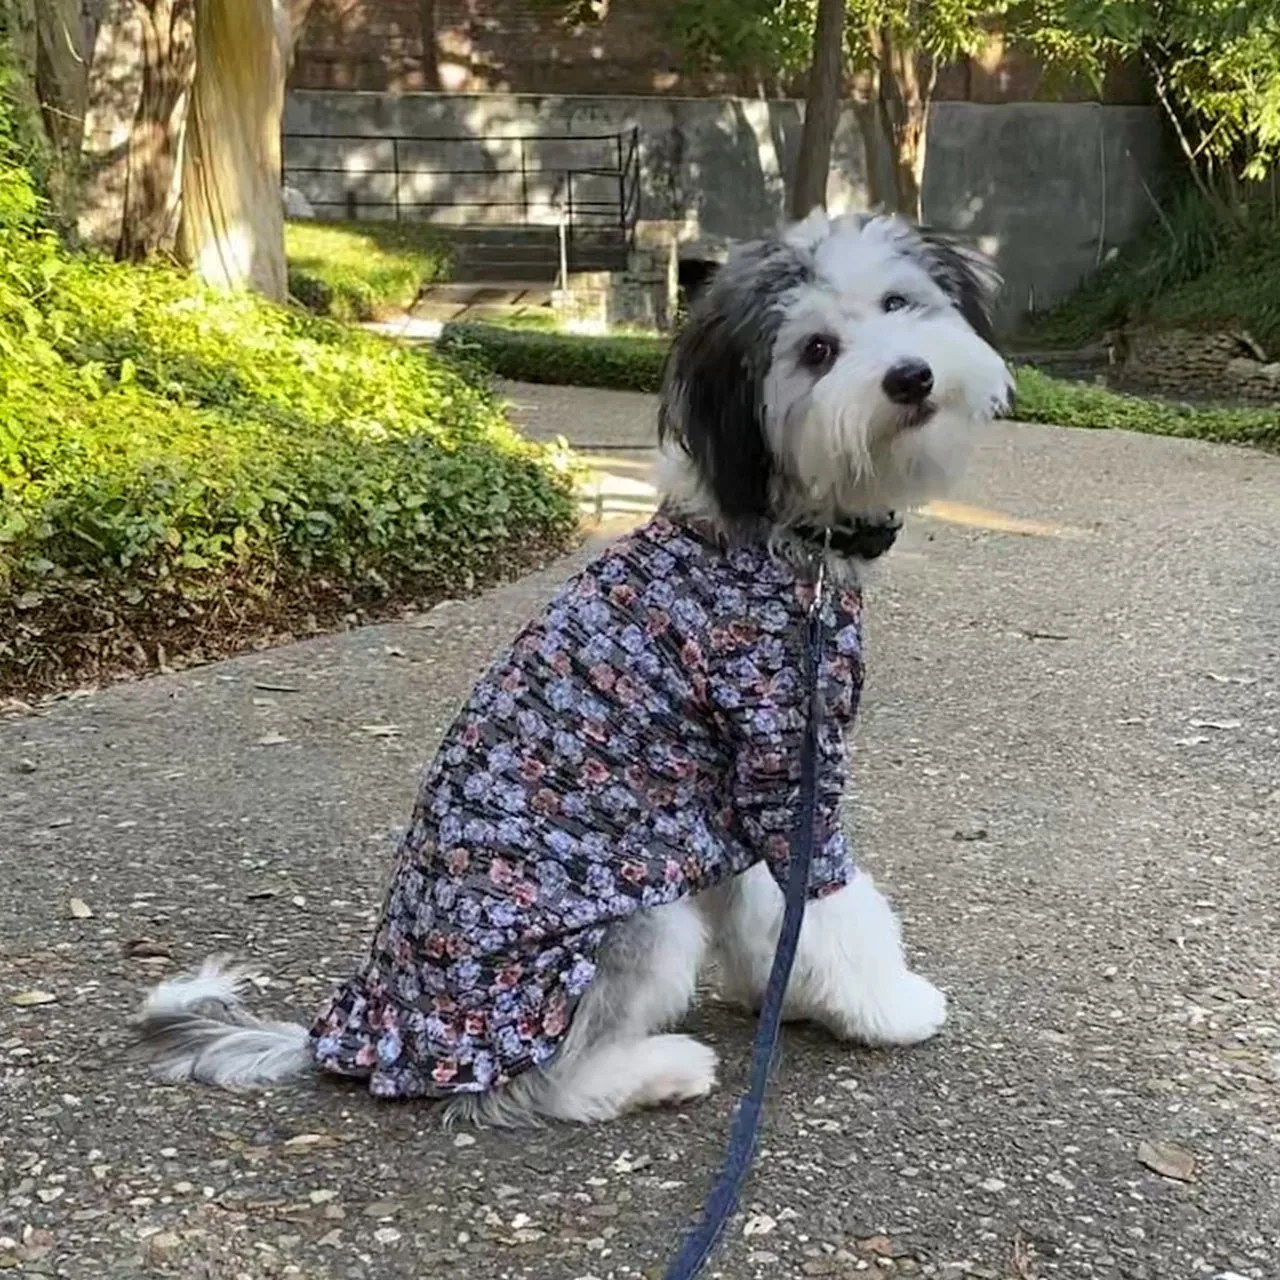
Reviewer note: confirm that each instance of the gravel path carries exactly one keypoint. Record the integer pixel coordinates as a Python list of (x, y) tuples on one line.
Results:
[(1067, 776)]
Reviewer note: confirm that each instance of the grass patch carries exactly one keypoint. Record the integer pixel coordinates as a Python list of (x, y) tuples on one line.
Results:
[(635, 364), (1185, 271), (184, 473), (363, 270)]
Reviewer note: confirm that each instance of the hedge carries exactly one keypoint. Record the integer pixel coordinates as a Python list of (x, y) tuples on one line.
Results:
[(183, 472), (576, 360), (635, 364)]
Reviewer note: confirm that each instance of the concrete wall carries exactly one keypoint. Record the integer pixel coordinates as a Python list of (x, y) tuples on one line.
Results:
[(1049, 188)]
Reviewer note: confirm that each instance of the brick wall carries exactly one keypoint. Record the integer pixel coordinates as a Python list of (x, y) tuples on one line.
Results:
[(527, 46)]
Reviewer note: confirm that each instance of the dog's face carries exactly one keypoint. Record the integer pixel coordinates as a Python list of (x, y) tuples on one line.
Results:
[(835, 371)]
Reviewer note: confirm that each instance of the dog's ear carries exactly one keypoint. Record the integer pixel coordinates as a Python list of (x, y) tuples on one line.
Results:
[(712, 394), (967, 276)]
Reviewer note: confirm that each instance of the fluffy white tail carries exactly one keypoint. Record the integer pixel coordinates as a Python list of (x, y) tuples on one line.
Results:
[(195, 1027)]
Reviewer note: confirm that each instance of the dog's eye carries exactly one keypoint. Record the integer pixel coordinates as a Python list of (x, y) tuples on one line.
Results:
[(819, 352), (893, 302)]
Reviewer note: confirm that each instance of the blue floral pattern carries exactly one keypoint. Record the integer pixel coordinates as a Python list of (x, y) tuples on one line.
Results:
[(640, 741)]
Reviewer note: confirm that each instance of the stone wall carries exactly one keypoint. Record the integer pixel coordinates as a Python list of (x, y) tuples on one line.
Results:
[(645, 294), (1196, 366), (1049, 188)]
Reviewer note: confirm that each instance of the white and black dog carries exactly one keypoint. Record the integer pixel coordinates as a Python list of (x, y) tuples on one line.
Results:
[(618, 794)]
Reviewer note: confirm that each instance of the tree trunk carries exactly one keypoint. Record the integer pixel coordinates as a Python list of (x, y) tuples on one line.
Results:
[(822, 110), (62, 67), (430, 58), (153, 187), (233, 216), (869, 117), (113, 94), (903, 109)]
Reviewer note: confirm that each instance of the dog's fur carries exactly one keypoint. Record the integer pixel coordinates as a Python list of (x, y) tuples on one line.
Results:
[(830, 373)]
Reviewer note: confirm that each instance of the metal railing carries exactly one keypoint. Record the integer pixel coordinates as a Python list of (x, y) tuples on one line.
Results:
[(385, 177)]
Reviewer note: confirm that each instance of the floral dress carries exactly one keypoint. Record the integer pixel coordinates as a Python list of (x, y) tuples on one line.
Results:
[(639, 742)]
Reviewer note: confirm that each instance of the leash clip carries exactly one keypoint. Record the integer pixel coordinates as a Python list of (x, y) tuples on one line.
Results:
[(820, 581)]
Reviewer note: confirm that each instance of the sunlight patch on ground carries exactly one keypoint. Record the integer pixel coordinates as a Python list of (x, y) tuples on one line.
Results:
[(618, 490)]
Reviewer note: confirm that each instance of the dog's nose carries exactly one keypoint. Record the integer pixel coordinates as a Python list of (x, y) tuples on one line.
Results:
[(908, 382)]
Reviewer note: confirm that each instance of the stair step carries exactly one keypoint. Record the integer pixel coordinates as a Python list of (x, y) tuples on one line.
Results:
[(487, 293)]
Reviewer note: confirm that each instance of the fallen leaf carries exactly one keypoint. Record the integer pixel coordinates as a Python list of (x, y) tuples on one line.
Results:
[(881, 1247), (79, 909), (382, 730), (272, 740), (1167, 1160), (147, 948), (310, 1142), (30, 999)]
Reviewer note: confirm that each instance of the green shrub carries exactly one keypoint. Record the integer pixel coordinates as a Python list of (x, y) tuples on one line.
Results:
[(1041, 398), (183, 471), (1184, 271), (363, 270), (635, 364), (621, 362)]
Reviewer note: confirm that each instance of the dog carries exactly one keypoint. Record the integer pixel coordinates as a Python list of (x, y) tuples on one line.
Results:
[(616, 800)]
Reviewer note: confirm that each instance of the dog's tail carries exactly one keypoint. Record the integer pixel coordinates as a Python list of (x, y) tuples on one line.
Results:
[(195, 1027)]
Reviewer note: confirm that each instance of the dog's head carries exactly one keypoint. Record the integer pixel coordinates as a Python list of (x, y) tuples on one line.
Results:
[(831, 372)]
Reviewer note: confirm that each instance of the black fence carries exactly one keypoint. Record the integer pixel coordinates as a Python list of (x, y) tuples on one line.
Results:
[(588, 181)]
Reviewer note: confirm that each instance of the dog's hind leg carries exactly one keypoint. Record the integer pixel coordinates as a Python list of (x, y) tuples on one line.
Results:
[(850, 973), (612, 1061)]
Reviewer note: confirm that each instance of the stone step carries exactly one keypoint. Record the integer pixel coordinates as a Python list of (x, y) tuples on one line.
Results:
[(497, 293)]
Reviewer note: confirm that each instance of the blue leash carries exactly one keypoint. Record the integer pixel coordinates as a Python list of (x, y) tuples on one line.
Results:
[(744, 1132)]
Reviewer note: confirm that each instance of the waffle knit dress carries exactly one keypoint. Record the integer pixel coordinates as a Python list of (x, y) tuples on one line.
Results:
[(639, 742)]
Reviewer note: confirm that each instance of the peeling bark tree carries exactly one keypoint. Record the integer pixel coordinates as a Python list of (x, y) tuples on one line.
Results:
[(822, 110), (154, 185), (232, 216), (63, 44)]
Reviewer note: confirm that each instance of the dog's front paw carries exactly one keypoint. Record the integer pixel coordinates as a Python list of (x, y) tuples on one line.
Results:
[(905, 1011)]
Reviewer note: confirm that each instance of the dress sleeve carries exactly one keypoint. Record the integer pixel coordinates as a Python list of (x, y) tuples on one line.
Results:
[(763, 705)]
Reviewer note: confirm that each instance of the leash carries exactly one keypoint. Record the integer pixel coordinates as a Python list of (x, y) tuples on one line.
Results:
[(744, 1131)]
